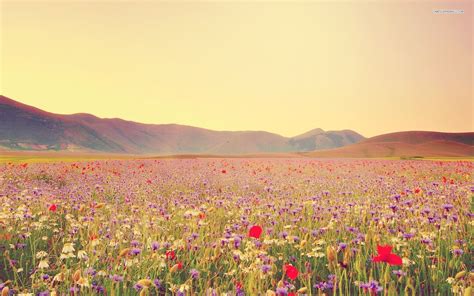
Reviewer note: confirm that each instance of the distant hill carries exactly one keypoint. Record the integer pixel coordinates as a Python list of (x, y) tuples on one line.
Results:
[(23, 127), (318, 139), (407, 144)]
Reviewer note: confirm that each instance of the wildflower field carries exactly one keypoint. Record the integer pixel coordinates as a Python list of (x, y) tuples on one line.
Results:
[(237, 227)]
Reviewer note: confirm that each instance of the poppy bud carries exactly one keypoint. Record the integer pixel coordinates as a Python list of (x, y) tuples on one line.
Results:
[(174, 268), (302, 290), (347, 256), (144, 282), (143, 291), (331, 254), (303, 243), (76, 276), (124, 252), (460, 274), (5, 291)]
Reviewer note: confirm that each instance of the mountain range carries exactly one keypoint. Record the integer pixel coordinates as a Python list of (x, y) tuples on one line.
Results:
[(24, 127), (406, 144)]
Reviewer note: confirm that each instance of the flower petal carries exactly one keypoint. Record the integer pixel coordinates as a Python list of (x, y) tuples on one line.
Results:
[(384, 250), (394, 260)]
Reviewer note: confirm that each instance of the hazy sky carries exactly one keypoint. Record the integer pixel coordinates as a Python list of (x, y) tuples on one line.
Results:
[(285, 67)]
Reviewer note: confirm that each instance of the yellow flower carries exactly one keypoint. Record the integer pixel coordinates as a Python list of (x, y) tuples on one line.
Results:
[(41, 254), (43, 264), (144, 282), (83, 282), (81, 254), (68, 248), (460, 274), (468, 291), (59, 277)]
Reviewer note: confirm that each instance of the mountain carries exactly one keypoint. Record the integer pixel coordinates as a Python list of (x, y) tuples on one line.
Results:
[(407, 144), (318, 139), (23, 127), (27, 128)]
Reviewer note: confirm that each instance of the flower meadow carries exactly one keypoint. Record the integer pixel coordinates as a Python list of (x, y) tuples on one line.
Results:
[(237, 227)]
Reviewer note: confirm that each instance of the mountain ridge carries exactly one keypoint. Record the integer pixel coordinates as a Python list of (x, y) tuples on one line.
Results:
[(406, 144), (24, 127)]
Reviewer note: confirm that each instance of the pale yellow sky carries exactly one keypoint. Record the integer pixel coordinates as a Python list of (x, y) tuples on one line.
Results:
[(285, 67)]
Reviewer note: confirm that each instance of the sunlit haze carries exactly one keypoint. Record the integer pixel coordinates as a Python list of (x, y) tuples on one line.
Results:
[(283, 67)]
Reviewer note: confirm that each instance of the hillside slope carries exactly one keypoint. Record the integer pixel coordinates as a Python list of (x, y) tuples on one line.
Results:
[(407, 144), (23, 127)]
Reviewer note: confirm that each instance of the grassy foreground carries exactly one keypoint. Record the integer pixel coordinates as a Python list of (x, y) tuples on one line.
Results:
[(187, 227)]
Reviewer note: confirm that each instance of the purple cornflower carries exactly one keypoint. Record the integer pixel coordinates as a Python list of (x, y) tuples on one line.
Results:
[(157, 283), (117, 278), (426, 241), (135, 251), (194, 273), (399, 273), (266, 268), (237, 242), (372, 287), (137, 287), (342, 246), (282, 291), (447, 207)]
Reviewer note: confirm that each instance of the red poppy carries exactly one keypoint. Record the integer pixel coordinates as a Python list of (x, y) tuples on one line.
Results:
[(180, 265), (291, 271), (170, 255), (417, 190), (238, 285), (224, 171), (291, 294), (53, 208), (255, 231), (386, 255)]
